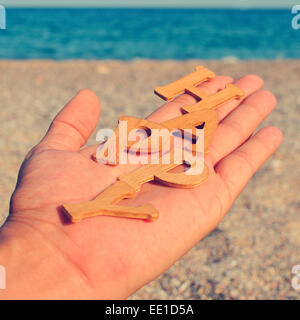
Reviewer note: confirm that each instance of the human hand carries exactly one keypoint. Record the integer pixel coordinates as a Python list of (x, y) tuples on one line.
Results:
[(107, 257)]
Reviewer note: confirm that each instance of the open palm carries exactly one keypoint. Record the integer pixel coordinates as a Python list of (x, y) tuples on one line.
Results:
[(107, 257)]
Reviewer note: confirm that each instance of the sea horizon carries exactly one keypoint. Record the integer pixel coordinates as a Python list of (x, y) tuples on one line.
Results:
[(148, 8)]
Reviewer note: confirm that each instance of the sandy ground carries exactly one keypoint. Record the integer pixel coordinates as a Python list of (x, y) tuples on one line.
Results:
[(251, 254)]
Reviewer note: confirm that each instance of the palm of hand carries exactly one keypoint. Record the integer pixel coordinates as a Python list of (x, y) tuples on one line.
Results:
[(130, 252)]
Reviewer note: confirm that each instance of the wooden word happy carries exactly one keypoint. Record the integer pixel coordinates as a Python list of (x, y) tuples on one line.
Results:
[(201, 114)]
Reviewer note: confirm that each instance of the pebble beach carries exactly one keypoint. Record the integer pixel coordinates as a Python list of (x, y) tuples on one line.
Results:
[(252, 252)]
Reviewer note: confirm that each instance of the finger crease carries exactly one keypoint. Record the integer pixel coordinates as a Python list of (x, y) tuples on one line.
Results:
[(73, 127), (244, 158)]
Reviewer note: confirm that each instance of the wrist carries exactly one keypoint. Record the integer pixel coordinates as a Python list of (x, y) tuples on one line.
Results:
[(35, 268)]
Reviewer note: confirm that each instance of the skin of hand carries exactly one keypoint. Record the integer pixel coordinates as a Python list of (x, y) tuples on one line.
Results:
[(107, 257)]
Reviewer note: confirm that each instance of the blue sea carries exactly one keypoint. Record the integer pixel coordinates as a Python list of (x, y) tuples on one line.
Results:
[(149, 33)]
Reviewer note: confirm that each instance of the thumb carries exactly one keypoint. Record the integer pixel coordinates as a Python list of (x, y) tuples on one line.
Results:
[(74, 124)]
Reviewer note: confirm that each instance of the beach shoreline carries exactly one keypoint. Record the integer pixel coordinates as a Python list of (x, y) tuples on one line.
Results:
[(252, 252)]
